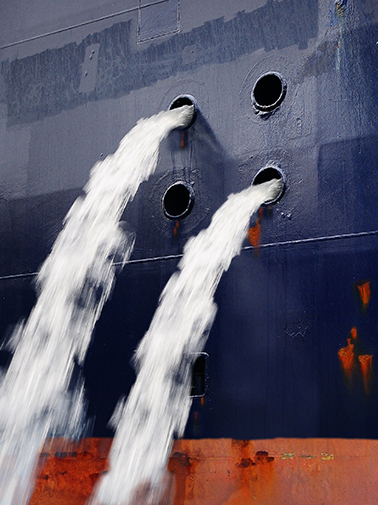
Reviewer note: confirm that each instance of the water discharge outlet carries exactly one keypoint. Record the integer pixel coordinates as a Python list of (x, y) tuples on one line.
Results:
[(268, 174), (268, 92), (178, 200), (182, 100)]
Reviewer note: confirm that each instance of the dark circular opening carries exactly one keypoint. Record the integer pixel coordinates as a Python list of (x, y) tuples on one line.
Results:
[(182, 100), (178, 200), (267, 174), (268, 92)]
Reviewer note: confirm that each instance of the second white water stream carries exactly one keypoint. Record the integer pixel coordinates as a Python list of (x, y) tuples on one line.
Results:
[(158, 405)]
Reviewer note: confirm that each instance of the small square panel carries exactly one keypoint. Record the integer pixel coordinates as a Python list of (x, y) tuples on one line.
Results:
[(157, 19)]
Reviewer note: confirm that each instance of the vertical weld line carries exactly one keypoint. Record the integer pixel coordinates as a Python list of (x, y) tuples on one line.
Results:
[(139, 20), (178, 16)]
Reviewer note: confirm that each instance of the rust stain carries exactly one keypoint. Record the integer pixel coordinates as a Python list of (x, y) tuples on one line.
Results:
[(263, 457), (245, 463), (353, 333), (346, 357), (354, 363), (182, 143), (68, 476), (365, 293), (176, 229), (253, 474), (366, 361), (254, 234), (181, 466)]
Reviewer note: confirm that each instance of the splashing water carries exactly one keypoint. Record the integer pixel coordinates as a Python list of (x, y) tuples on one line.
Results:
[(74, 283), (159, 402)]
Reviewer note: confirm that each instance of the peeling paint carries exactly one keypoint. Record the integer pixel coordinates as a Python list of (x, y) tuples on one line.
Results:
[(287, 455), (47, 83), (327, 457)]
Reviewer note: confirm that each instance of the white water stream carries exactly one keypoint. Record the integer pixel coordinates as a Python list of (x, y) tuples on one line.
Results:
[(158, 405), (74, 283)]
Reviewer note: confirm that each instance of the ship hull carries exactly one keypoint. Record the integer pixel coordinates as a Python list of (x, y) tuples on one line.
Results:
[(292, 350)]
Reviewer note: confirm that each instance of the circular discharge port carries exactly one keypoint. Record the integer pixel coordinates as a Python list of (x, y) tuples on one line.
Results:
[(267, 174), (178, 200), (268, 91), (182, 100)]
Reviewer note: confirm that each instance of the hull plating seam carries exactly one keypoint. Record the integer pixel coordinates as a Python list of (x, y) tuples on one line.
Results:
[(246, 248), (84, 23)]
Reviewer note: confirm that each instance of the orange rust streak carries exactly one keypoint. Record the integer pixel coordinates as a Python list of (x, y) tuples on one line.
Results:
[(182, 140), (366, 361), (346, 357), (365, 293), (176, 229), (353, 333), (254, 234)]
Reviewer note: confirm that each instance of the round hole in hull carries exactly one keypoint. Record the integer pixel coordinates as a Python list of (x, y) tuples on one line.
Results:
[(178, 200), (268, 91), (267, 174), (182, 100)]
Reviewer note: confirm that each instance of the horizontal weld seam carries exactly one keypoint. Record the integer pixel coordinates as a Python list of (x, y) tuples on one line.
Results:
[(79, 25), (246, 248)]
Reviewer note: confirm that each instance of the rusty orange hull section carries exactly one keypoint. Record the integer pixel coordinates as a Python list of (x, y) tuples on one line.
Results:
[(228, 472)]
